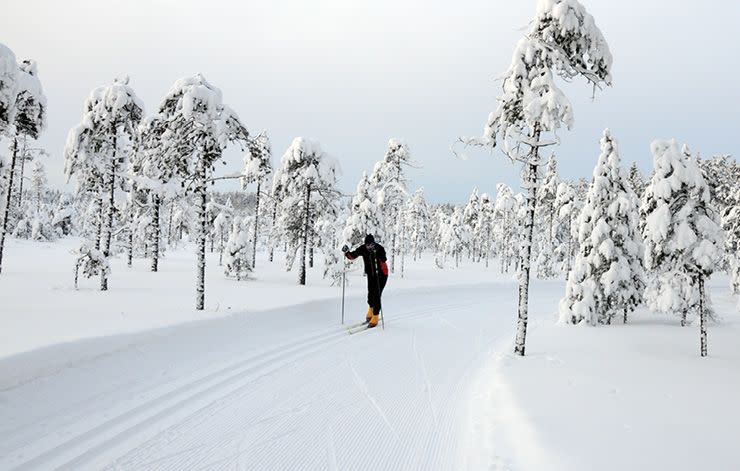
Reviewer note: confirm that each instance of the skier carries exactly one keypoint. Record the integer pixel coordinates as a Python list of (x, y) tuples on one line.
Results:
[(376, 269)]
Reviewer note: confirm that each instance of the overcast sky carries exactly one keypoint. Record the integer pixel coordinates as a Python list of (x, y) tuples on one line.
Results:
[(353, 74)]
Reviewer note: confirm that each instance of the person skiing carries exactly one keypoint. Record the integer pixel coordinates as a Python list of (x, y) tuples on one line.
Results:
[(376, 269)]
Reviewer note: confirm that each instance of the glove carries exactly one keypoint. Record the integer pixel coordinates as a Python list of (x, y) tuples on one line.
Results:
[(345, 249)]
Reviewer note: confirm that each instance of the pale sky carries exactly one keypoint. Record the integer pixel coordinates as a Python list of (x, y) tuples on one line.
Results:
[(353, 74)]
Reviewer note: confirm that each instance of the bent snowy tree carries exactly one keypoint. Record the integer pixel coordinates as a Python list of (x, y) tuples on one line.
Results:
[(98, 151), (199, 127), (564, 41)]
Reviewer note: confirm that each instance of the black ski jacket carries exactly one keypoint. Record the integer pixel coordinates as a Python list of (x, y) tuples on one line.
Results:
[(374, 252)]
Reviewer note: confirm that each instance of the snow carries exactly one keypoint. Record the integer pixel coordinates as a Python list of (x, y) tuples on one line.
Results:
[(8, 87), (266, 378), (635, 396)]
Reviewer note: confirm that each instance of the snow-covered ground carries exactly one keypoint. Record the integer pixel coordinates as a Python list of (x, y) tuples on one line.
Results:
[(267, 378)]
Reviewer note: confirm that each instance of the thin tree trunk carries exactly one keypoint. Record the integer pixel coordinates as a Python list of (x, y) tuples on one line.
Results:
[(23, 170), (256, 225), (200, 195), (157, 203), (274, 220), (526, 255), (108, 234), (393, 253), (702, 318), (169, 223), (304, 244), (130, 255), (8, 200)]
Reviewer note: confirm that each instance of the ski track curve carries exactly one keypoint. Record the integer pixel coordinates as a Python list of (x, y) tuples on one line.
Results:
[(318, 399)]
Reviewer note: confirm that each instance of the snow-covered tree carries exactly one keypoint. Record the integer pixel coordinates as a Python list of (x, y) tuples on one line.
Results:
[(455, 237), (484, 227), (683, 239), (308, 178), (63, 215), (546, 216), (731, 225), (563, 40), (417, 222), (238, 258), (23, 113), (257, 168), (566, 233), (98, 151), (364, 215), (607, 279), (389, 178), (637, 181), (506, 229), (199, 128), (8, 88), (471, 212)]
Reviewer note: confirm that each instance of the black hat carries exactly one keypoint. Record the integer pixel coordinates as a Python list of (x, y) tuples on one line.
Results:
[(369, 239)]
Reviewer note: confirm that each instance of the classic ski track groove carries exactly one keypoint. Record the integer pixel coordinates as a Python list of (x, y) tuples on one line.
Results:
[(74, 452)]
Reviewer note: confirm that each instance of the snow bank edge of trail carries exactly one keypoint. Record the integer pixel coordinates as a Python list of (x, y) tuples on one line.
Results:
[(500, 436)]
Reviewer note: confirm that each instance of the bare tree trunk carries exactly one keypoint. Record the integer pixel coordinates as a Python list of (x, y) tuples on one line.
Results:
[(130, 255), (108, 231), (702, 318), (200, 195), (526, 255), (274, 220), (304, 244), (256, 225), (8, 200), (157, 203), (169, 223)]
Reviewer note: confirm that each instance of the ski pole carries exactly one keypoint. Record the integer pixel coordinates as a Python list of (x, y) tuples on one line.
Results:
[(377, 285), (344, 274)]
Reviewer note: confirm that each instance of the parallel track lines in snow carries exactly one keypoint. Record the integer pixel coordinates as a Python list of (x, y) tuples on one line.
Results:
[(197, 394)]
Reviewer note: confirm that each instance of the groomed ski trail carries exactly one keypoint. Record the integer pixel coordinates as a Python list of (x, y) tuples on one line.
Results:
[(287, 389)]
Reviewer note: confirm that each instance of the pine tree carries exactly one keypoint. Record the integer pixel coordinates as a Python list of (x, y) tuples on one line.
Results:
[(568, 207), (471, 213), (546, 212), (238, 249), (199, 128), (607, 278), (564, 41), (308, 179), (484, 227), (417, 222), (683, 239), (23, 112), (391, 185), (257, 168), (98, 151), (365, 215), (637, 181), (506, 228), (731, 225)]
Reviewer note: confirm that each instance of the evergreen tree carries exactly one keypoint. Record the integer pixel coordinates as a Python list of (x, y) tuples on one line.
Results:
[(365, 215), (391, 183), (238, 249), (98, 151), (257, 168), (564, 41), (546, 211), (683, 239), (637, 181), (731, 225), (199, 128), (566, 233), (308, 178), (22, 112), (607, 278), (417, 222), (471, 213), (506, 228), (484, 227)]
